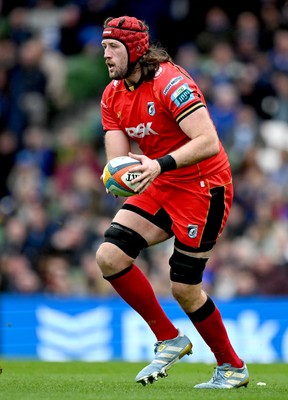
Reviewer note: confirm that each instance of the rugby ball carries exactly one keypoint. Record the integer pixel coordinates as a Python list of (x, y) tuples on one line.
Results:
[(117, 178)]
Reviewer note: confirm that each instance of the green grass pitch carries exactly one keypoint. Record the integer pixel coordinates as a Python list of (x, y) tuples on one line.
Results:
[(36, 380)]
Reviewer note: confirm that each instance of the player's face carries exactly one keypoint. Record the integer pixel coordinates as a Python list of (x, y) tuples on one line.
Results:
[(116, 58)]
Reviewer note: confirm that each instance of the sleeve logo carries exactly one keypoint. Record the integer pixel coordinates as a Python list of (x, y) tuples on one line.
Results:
[(173, 82), (182, 95)]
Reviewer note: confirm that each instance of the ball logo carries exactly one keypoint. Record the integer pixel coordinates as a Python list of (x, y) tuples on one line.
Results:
[(118, 179), (131, 175)]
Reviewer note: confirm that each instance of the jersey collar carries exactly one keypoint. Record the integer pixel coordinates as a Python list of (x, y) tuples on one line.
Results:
[(133, 87)]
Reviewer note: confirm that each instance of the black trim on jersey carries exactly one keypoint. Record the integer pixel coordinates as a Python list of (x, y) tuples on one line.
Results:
[(135, 86), (184, 247), (213, 224), (160, 219), (189, 110), (215, 215)]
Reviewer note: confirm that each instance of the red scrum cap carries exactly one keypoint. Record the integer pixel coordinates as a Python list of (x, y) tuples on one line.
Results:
[(132, 32)]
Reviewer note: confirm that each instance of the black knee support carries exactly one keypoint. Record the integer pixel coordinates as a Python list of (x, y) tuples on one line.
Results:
[(126, 239), (186, 269)]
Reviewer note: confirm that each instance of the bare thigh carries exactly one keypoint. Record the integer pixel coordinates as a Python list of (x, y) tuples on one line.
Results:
[(111, 259), (150, 232)]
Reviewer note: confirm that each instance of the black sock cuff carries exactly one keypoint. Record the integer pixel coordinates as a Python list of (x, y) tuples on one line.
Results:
[(203, 312), (119, 274)]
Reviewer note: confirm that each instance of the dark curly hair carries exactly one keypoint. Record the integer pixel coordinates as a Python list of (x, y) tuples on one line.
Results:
[(149, 62)]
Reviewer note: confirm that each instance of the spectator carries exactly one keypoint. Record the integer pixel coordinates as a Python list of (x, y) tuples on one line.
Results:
[(224, 111), (53, 206), (272, 278), (19, 32), (217, 29), (28, 89), (56, 275), (38, 148), (280, 85), (222, 65), (247, 36), (8, 149), (15, 236), (69, 30), (279, 52), (17, 275)]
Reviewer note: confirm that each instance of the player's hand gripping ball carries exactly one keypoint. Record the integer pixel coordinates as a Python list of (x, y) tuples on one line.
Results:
[(117, 178)]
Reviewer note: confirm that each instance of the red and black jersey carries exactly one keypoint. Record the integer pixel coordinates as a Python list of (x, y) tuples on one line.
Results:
[(150, 116)]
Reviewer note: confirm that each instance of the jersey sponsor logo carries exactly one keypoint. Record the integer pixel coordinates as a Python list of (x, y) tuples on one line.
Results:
[(173, 82), (151, 108), (182, 95), (192, 231), (141, 131)]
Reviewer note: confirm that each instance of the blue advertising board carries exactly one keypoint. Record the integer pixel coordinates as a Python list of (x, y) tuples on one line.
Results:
[(103, 329)]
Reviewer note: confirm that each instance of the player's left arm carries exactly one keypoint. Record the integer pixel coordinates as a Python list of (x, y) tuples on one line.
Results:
[(195, 122), (204, 142)]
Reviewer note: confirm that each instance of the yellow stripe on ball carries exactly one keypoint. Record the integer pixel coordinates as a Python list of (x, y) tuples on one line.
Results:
[(106, 174)]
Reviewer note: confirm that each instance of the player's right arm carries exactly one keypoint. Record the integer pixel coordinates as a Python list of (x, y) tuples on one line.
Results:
[(116, 144)]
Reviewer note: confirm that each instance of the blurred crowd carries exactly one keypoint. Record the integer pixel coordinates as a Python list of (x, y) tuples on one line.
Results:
[(53, 206)]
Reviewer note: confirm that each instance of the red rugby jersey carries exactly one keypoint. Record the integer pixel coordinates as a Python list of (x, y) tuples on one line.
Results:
[(151, 113)]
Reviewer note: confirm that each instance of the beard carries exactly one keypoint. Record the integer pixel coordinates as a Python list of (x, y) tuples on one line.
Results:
[(117, 73)]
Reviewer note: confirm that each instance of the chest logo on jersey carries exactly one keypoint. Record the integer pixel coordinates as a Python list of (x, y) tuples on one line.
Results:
[(173, 82), (141, 131), (151, 108), (182, 95)]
